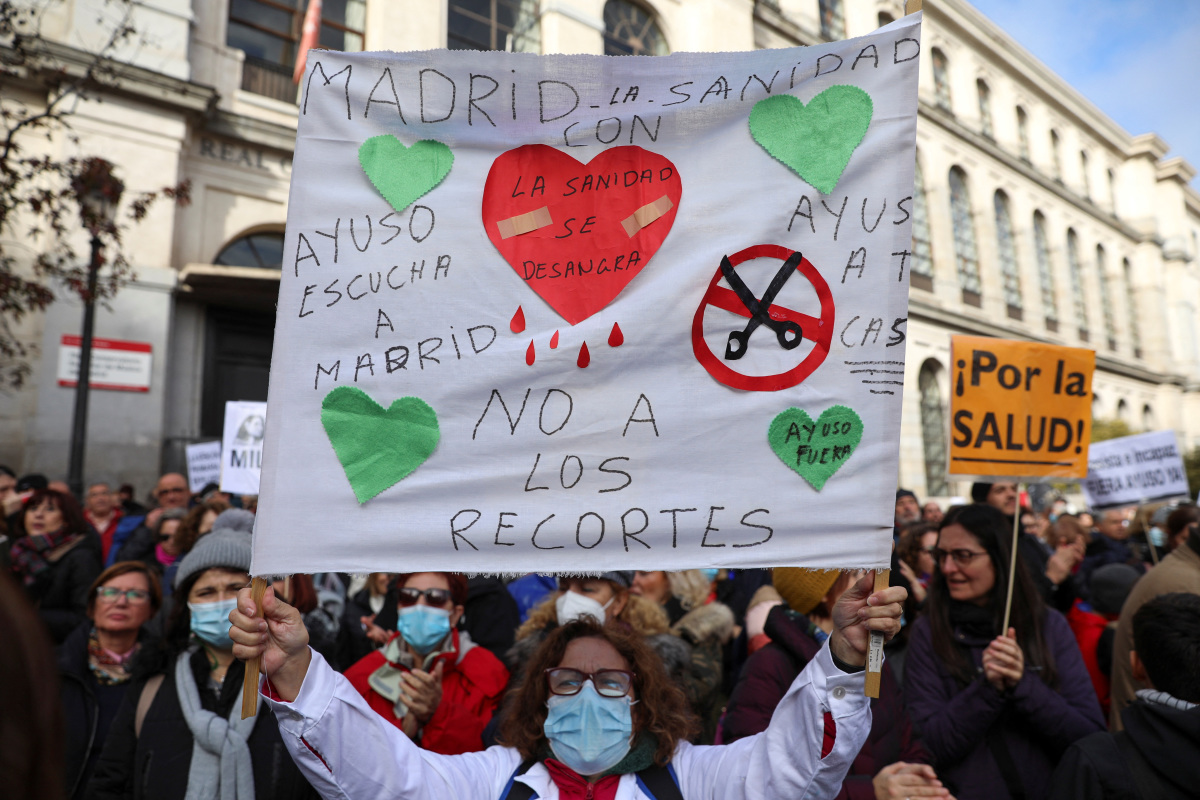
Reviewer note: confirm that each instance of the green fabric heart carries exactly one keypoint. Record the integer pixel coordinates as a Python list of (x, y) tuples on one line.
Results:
[(815, 450), (378, 448), (403, 174), (816, 140)]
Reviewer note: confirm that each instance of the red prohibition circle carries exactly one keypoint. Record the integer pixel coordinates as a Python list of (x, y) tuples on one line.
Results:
[(819, 330)]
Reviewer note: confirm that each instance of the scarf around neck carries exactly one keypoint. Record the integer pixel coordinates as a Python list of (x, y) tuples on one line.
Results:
[(28, 554), (107, 667), (975, 621), (221, 766), (386, 681)]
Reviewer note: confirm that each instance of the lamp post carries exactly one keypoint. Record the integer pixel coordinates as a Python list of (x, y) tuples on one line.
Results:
[(97, 191)]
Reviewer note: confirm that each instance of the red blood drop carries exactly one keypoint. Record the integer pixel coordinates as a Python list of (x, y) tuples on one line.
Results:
[(518, 322), (616, 338), (554, 340), (529, 355), (585, 357)]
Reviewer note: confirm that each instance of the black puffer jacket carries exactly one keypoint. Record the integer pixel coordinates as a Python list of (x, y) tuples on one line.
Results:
[(61, 592), (155, 765)]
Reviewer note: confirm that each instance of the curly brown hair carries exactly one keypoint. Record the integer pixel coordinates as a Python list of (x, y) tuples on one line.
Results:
[(662, 711), (189, 530)]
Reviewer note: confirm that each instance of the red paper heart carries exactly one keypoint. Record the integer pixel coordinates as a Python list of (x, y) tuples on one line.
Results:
[(584, 256)]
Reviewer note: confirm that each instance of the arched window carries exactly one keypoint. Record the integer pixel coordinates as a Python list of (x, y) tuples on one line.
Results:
[(1110, 322), (630, 30), (985, 109), (1041, 246), (885, 18), (933, 428), (1023, 134), (1076, 270), (966, 255), (941, 79), (510, 25), (1006, 248), (1135, 331), (1096, 406), (1056, 155), (1123, 411), (1083, 169), (922, 254), (1112, 192), (263, 250), (1149, 423), (833, 19)]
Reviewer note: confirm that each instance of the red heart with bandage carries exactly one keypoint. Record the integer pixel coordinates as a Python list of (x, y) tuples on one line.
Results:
[(578, 233)]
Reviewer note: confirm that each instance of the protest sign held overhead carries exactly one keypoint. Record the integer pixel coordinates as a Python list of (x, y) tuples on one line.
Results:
[(203, 465), (242, 446), (577, 313), (1135, 469), (1019, 409)]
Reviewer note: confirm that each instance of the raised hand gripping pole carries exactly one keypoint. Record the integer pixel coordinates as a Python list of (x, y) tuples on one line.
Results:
[(875, 650), (258, 587)]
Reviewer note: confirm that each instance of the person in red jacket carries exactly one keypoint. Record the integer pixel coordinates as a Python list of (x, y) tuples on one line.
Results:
[(430, 680)]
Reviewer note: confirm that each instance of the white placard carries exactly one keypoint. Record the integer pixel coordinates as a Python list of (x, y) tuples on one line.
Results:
[(203, 464), (116, 365), (557, 301), (242, 446), (1134, 469)]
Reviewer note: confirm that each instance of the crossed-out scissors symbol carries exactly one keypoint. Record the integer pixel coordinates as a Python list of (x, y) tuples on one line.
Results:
[(787, 332)]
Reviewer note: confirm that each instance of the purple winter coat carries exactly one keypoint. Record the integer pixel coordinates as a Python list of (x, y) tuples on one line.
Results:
[(766, 678), (1033, 721)]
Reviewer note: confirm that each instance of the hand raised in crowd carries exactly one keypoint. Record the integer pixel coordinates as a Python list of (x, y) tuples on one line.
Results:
[(902, 780), (279, 638), (1063, 561), (422, 692), (918, 591), (375, 633), (858, 612), (1003, 661)]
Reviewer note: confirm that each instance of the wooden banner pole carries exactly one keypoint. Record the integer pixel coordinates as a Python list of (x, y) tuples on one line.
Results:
[(258, 587), (875, 651), (1012, 565), (912, 6)]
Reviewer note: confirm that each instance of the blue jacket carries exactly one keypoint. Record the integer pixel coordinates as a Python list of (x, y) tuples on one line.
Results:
[(125, 528)]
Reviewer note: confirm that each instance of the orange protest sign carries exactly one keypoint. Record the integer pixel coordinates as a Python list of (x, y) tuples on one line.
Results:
[(1020, 409)]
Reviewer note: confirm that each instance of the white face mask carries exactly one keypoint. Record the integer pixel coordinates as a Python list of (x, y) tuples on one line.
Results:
[(571, 606)]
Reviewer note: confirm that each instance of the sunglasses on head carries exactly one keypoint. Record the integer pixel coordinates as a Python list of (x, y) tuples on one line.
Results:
[(433, 597)]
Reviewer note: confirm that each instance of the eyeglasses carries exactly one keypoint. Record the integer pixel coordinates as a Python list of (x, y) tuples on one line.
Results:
[(931, 550), (434, 597), (962, 558), (172, 490), (110, 594), (607, 682)]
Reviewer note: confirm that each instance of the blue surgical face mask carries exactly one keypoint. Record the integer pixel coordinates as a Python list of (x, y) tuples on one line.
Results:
[(1157, 537), (210, 622), (423, 627), (588, 732), (710, 575)]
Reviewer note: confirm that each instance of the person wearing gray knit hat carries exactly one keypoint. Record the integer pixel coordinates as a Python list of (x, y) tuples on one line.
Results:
[(234, 519), (228, 547)]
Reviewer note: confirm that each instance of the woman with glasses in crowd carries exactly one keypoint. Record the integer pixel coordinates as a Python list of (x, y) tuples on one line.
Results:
[(596, 716), (995, 708), (95, 663), (430, 680)]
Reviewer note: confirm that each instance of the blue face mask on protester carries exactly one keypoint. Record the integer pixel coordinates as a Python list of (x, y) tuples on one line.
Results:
[(210, 622), (588, 732), (423, 627), (1158, 537), (710, 575)]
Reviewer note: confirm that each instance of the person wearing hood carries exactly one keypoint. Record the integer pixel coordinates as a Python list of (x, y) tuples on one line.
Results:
[(179, 734), (1157, 752), (430, 680)]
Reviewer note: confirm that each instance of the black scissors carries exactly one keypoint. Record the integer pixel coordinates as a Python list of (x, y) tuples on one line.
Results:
[(789, 333)]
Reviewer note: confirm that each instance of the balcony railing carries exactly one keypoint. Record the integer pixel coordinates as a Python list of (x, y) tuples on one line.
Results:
[(268, 79)]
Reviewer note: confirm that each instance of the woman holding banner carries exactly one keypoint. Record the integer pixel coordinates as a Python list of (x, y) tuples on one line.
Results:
[(596, 715), (996, 712)]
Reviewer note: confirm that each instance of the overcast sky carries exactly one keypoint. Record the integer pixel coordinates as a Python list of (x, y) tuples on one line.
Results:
[(1136, 60)]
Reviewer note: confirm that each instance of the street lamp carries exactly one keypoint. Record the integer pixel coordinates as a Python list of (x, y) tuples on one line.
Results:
[(97, 191)]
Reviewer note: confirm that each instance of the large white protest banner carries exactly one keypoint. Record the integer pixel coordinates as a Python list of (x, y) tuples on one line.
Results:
[(580, 312), (242, 446), (1135, 469)]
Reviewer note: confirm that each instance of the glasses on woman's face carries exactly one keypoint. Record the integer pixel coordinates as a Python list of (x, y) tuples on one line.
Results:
[(607, 682), (434, 597), (962, 558), (111, 594)]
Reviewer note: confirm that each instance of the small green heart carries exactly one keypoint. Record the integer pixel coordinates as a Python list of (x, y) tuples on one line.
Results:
[(816, 140), (815, 450), (378, 448), (403, 174)]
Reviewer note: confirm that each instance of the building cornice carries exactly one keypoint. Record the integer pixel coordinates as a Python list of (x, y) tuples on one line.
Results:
[(250, 129), (769, 15)]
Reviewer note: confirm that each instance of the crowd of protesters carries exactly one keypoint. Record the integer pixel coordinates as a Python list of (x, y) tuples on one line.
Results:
[(1091, 690)]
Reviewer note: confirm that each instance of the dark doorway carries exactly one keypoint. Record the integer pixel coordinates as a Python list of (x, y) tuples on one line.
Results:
[(237, 362)]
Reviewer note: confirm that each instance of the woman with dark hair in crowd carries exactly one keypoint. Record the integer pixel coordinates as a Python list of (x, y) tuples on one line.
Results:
[(915, 552), (94, 662), (179, 732), (995, 708), (596, 716), (430, 680), (56, 556)]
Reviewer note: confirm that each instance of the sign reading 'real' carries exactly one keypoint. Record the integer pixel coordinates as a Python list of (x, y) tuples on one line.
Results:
[(116, 365), (1135, 469), (1019, 409), (579, 313)]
